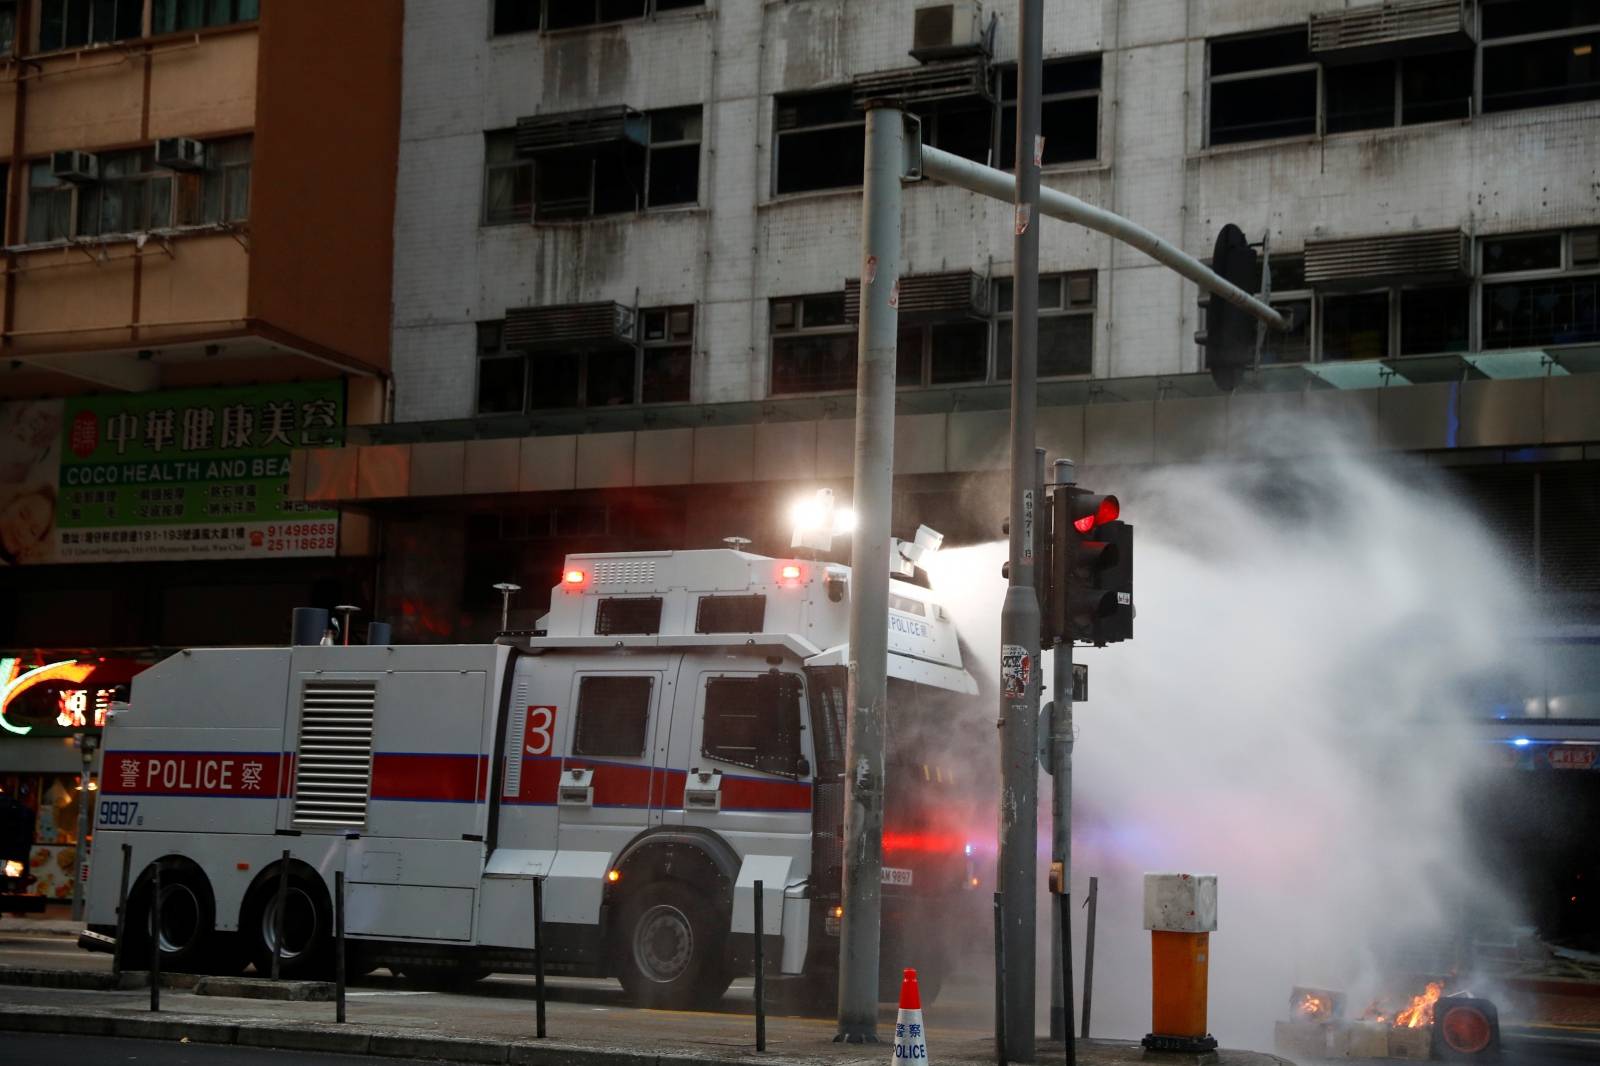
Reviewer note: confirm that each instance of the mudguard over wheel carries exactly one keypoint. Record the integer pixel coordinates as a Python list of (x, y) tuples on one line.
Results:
[(670, 947), (307, 927)]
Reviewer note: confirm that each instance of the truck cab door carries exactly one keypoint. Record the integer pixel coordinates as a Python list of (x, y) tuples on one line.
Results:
[(612, 774)]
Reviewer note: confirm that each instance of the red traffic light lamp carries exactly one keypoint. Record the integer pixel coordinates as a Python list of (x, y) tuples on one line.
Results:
[(1088, 511)]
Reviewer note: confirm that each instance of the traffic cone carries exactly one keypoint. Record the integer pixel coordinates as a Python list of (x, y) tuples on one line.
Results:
[(910, 1042)]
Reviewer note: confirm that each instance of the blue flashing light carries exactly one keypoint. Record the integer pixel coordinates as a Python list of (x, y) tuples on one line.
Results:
[(968, 850), (1521, 742)]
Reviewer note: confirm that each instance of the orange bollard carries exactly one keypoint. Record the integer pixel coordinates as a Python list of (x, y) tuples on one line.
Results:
[(1180, 910)]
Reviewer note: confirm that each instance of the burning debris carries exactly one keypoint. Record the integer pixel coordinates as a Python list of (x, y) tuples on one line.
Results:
[(1429, 1025)]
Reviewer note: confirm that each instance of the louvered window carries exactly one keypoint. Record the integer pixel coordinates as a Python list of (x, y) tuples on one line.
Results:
[(616, 616), (333, 770), (730, 614)]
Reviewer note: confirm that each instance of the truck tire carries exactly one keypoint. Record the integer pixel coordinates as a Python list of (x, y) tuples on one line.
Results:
[(188, 921), (308, 926), (670, 948)]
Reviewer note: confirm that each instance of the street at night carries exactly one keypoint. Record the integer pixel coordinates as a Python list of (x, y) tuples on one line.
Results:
[(620, 517)]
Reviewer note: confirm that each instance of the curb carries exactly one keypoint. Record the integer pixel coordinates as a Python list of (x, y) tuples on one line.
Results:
[(354, 1040), (260, 988), (60, 1021)]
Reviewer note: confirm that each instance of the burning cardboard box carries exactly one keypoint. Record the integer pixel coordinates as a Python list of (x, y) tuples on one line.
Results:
[(1359, 1040)]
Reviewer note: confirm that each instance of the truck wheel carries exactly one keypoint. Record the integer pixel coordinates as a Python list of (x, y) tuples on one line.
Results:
[(307, 927), (188, 921), (671, 948)]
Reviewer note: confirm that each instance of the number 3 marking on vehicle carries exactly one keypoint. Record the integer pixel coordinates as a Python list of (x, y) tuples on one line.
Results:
[(540, 732)]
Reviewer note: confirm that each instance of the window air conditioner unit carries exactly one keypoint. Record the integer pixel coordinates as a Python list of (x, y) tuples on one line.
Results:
[(941, 29), (74, 166), (180, 153)]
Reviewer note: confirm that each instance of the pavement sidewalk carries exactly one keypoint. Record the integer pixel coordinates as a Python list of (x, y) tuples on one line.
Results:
[(500, 1029)]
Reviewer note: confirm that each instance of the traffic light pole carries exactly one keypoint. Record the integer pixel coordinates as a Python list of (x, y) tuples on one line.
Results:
[(1019, 619), (1061, 788), (869, 585), (997, 184)]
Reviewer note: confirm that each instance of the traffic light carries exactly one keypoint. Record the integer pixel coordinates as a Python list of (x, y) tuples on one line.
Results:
[(1088, 594), (1229, 336)]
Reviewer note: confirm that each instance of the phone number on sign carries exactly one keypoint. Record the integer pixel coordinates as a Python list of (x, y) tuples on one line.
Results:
[(302, 536)]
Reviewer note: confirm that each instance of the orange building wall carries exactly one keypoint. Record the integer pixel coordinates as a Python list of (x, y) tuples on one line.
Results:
[(323, 185)]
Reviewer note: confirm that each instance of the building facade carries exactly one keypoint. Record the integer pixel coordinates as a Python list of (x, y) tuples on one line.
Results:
[(195, 281), (628, 238)]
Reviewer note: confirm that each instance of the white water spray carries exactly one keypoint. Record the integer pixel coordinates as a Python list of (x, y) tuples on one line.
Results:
[(1291, 716)]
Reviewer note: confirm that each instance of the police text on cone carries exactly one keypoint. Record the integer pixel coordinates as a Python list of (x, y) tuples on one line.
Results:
[(910, 1041)]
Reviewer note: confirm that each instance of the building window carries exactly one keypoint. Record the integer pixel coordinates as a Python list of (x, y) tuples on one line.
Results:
[(1066, 325), (813, 345), (657, 369), (666, 342), (522, 16), (672, 165), (1398, 92), (952, 352), (962, 125), (225, 181), (588, 181), (1396, 321), (131, 196), (1263, 86), (820, 142), (77, 23), (502, 374), (1540, 291), (171, 16), (1293, 298), (1069, 113), (507, 180), (1537, 55), (49, 204), (8, 27)]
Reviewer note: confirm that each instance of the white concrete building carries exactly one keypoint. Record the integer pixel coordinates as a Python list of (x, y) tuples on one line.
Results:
[(1455, 126)]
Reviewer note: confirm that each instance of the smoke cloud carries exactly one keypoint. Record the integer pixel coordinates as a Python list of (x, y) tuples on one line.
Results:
[(1293, 716)]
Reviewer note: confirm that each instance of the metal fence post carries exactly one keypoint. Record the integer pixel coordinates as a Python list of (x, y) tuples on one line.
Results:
[(338, 938), (761, 968), (122, 916), (281, 906), (538, 953), (155, 937), (1093, 903)]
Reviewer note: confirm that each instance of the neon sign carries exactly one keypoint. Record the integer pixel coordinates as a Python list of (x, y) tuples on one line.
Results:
[(77, 676)]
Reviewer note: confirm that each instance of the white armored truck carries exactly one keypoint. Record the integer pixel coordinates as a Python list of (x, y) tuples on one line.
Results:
[(671, 735)]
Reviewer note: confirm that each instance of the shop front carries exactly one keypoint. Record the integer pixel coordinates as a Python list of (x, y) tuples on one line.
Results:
[(52, 710)]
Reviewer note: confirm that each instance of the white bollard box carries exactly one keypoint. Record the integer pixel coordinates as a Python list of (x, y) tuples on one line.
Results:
[(1180, 903)]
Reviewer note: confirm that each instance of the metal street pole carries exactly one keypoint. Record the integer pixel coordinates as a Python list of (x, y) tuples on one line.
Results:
[(940, 165), (1061, 787), (86, 746), (869, 578), (1019, 618)]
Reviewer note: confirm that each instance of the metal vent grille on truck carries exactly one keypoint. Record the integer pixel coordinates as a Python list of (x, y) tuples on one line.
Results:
[(333, 769)]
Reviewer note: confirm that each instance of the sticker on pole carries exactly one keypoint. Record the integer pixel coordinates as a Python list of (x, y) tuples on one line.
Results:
[(1038, 151), (894, 294), (1016, 667), (1024, 216), (870, 274)]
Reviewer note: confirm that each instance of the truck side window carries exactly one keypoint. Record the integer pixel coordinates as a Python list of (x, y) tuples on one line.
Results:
[(613, 716), (754, 722)]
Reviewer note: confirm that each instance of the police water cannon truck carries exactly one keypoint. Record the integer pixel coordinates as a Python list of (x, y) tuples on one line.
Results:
[(670, 735)]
